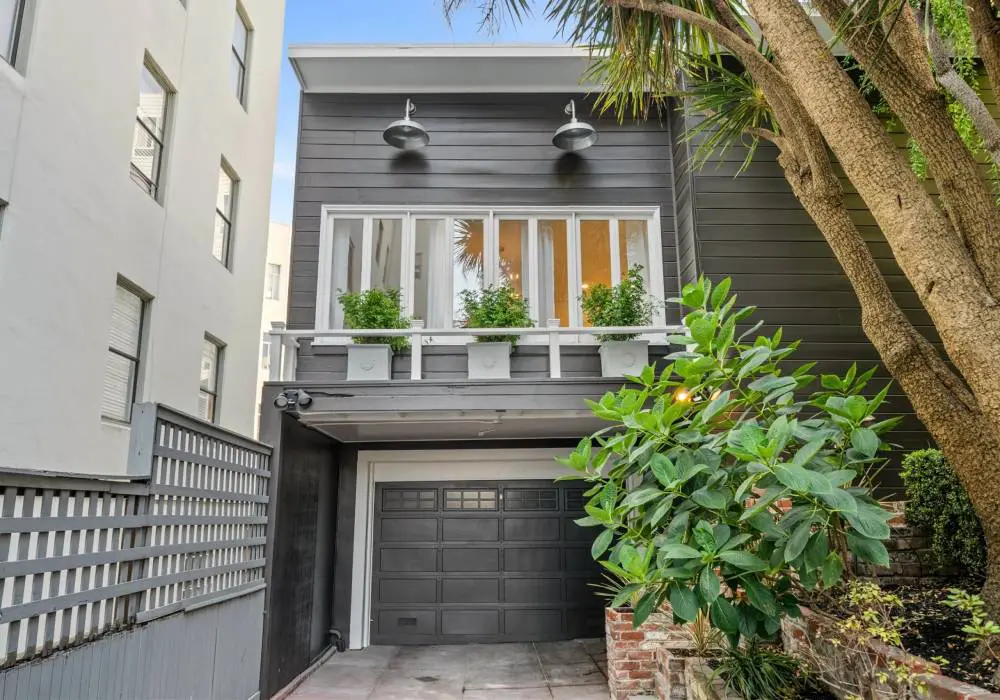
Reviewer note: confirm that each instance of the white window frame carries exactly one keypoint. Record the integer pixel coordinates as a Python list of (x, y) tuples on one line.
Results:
[(272, 283), (491, 217)]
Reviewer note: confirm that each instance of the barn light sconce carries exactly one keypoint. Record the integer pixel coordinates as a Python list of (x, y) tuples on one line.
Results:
[(406, 134), (574, 135)]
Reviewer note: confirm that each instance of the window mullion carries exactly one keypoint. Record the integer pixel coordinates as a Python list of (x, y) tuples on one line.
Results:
[(575, 274), (531, 291), (448, 289), (407, 273), (491, 249), (616, 253)]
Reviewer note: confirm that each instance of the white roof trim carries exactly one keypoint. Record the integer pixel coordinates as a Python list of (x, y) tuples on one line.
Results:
[(440, 68)]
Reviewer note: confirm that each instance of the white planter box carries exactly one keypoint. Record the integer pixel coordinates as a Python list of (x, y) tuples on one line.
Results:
[(369, 363), (489, 360), (621, 357)]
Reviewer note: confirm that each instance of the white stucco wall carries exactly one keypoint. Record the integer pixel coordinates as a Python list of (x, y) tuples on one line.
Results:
[(76, 220), (279, 252)]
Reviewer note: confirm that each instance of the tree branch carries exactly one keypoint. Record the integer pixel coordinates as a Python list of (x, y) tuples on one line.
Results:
[(960, 91), (986, 31)]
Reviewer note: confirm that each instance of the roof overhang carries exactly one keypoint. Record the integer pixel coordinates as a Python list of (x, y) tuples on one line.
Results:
[(431, 68)]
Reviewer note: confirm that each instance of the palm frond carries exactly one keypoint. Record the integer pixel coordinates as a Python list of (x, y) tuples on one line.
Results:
[(493, 14), (732, 109)]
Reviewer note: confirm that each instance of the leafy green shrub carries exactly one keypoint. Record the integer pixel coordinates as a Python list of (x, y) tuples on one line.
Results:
[(497, 306), (760, 672), (936, 502), (375, 308), (625, 304), (691, 483)]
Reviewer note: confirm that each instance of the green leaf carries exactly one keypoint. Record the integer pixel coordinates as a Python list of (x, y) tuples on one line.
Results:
[(794, 477), (643, 609), (840, 500), (709, 584), (771, 383), (721, 292), (797, 542), (808, 451), (743, 560), (715, 406), (759, 596), (675, 550), (684, 603), (677, 529), (704, 536), (831, 381), (763, 522), (841, 476), (597, 514), (702, 330), (872, 551), (865, 441), (601, 544), (631, 559), (663, 469), (833, 569), (641, 496), (724, 616), (693, 295), (625, 595), (587, 521), (870, 521), (817, 549), (662, 510), (713, 499), (856, 407), (753, 359)]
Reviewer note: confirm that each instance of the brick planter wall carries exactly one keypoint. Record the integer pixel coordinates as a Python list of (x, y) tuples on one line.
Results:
[(808, 631), (686, 678), (631, 652)]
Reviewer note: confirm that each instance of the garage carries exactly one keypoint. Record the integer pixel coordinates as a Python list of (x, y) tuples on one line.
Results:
[(481, 561)]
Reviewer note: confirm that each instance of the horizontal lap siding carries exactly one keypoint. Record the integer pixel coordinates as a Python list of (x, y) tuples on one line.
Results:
[(489, 150), (751, 228)]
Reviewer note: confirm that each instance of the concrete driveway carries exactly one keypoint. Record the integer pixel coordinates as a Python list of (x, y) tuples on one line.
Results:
[(573, 670)]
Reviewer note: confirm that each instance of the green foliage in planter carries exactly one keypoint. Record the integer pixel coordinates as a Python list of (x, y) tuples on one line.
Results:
[(625, 304), (689, 482), (375, 308), (761, 672), (936, 502), (496, 306)]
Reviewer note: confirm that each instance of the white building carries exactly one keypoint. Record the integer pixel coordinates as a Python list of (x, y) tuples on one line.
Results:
[(275, 307), (136, 149)]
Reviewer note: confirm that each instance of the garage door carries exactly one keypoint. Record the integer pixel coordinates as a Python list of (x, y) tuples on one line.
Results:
[(482, 562)]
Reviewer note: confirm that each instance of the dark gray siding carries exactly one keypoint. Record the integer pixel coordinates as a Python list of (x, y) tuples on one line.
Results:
[(485, 150), (751, 228), (684, 209)]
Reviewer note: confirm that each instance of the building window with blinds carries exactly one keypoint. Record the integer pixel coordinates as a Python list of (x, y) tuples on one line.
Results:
[(121, 375), (211, 363), (150, 131)]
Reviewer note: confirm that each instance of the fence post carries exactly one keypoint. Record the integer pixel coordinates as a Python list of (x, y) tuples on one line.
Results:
[(274, 351), (416, 349), (555, 360)]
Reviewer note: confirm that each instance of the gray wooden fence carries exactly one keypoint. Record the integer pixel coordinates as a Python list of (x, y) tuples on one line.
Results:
[(85, 559)]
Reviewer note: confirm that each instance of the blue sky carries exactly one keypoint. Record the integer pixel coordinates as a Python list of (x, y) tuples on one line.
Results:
[(370, 22)]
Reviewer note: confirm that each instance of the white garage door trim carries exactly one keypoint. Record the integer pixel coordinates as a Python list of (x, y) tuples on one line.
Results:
[(427, 465)]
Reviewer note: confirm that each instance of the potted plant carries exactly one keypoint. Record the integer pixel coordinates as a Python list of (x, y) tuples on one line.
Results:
[(493, 307), (625, 304), (370, 357)]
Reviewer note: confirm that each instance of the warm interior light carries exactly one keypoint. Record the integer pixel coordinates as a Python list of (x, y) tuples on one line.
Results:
[(584, 286), (682, 394)]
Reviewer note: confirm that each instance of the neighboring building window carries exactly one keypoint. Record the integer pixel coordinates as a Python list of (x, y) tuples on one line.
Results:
[(124, 353), (11, 15), (211, 363), (265, 351), (150, 131), (225, 207), (432, 256), (241, 51), (272, 286)]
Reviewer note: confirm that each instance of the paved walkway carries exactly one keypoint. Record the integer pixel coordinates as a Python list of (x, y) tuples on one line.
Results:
[(572, 670)]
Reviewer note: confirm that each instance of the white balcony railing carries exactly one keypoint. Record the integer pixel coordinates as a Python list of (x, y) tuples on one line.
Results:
[(284, 343)]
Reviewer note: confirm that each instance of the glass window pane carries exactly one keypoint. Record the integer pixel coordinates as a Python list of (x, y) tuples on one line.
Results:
[(467, 261), (224, 197), (633, 248), (206, 406), (387, 253), (595, 253), (145, 155), (119, 384), (345, 270), (237, 76), (430, 248), (220, 239), (514, 254), (209, 365), (152, 109), (553, 271), (9, 10), (126, 322), (240, 36)]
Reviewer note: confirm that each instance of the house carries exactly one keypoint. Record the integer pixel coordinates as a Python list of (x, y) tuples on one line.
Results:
[(422, 509), (136, 150), (275, 304)]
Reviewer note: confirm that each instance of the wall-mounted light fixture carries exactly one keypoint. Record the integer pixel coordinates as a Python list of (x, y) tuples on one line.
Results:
[(291, 399), (574, 135), (405, 133)]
